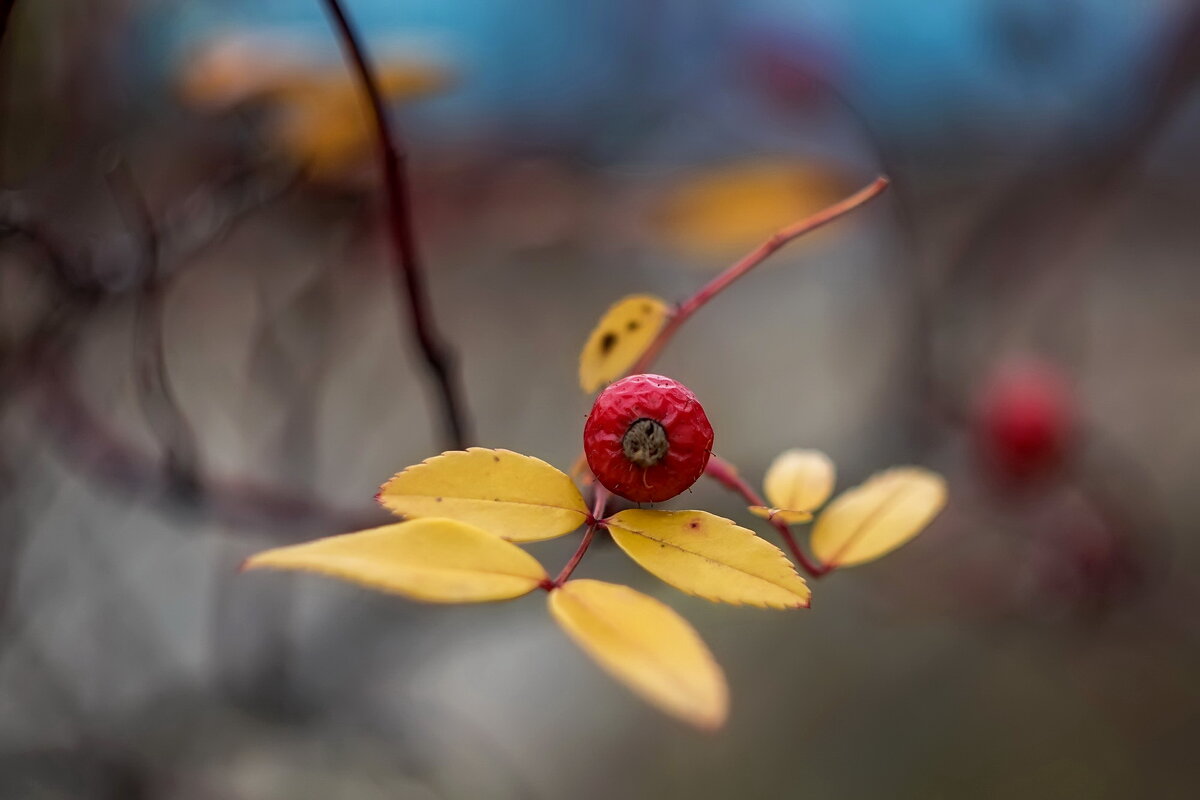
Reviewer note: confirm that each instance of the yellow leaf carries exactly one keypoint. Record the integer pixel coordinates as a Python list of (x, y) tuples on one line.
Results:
[(435, 560), (620, 338), (875, 518), (406, 79), (233, 68), (320, 118), (709, 556), (517, 497), (647, 646), (728, 209), (328, 130), (797, 482), (782, 514)]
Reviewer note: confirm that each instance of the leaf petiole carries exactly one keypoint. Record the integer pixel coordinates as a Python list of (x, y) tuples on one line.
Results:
[(596, 520)]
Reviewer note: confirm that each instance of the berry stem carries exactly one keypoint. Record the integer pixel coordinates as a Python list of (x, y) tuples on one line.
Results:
[(584, 543), (594, 522), (410, 280), (724, 473), (760, 254)]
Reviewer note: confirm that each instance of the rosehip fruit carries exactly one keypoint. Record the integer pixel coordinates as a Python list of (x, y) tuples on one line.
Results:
[(647, 438), (1026, 420)]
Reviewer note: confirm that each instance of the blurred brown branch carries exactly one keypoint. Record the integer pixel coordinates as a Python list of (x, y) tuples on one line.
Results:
[(41, 363), (156, 396), (1058, 209), (409, 276)]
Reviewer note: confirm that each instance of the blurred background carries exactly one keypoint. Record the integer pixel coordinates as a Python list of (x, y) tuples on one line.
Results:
[(201, 355)]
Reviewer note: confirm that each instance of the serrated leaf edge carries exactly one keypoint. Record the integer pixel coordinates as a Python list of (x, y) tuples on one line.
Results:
[(713, 599)]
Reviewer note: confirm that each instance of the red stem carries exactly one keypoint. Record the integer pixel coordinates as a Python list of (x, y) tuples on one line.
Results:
[(410, 281), (588, 535), (723, 473), (752, 260), (595, 521)]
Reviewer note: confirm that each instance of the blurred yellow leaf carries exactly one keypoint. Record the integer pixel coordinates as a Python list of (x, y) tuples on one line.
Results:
[(517, 497), (875, 518), (329, 134), (709, 556), (322, 119), (407, 79), (319, 115), (621, 336), (434, 560), (796, 482), (783, 514), (647, 646), (726, 210), (233, 68)]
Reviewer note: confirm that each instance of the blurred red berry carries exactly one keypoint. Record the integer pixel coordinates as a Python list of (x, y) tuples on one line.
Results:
[(647, 438), (1026, 420)]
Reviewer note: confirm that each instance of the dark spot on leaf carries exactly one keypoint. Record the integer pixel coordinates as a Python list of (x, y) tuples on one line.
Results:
[(607, 343), (437, 499), (694, 524), (496, 459), (632, 326)]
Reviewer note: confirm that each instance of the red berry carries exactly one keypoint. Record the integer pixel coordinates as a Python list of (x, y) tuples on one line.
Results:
[(647, 438), (1026, 419)]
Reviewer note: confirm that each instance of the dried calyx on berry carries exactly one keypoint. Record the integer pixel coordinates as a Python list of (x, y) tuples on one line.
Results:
[(647, 438)]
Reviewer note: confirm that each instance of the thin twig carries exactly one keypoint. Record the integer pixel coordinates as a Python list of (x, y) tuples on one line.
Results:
[(90, 446), (108, 459), (596, 520), (1052, 217), (410, 281), (724, 473), (760, 254), (160, 406)]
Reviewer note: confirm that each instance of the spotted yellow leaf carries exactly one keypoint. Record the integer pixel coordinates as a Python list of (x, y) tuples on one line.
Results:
[(434, 560), (517, 497), (726, 210), (797, 482), (709, 556), (620, 338), (870, 520), (644, 644)]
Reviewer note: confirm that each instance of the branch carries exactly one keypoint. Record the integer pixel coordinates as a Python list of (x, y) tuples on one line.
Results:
[(1052, 216), (156, 396), (88, 445), (410, 281), (749, 262), (594, 521)]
